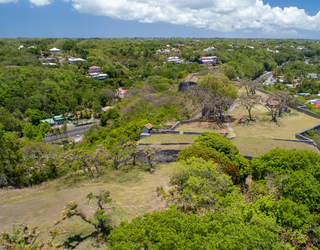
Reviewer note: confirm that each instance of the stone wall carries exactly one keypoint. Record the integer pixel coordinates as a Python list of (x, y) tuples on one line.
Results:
[(161, 156), (191, 133), (164, 132)]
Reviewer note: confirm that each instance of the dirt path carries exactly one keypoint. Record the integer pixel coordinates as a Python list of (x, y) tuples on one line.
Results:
[(231, 134)]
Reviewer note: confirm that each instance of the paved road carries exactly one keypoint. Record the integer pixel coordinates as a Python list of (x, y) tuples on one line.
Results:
[(266, 75), (77, 128), (71, 132)]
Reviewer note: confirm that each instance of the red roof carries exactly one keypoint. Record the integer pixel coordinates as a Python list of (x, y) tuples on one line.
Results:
[(149, 126), (223, 131), (123, 91), (94, 67), (292, 87), (316, 106)]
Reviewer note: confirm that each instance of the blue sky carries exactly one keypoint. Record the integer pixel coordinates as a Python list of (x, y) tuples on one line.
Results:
[(160, 18)]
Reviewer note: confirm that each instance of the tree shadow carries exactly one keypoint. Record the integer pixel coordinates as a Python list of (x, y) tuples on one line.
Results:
[(100, 237)]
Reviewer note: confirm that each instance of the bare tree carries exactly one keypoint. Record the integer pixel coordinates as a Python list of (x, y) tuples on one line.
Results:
[(86, 159), (276, 102), (134, 150), (249, 85), (249, 102), (213, 102)]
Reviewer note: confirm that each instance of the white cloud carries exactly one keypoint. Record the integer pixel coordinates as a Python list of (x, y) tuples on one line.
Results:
[(220, 15), (40, 3)]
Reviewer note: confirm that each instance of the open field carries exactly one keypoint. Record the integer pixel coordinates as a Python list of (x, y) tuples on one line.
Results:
[(169, 138), (288, 125), (252, 146), (133, 191), (201, 127)]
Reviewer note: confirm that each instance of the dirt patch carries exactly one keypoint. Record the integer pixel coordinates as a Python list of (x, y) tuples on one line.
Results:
[(202, 127)]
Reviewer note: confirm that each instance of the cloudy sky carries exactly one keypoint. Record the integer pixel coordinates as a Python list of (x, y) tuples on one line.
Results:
[(160, 18)]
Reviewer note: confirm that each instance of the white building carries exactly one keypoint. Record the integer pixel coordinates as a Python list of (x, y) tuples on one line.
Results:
[(174, 59), (55, 50), (73, 60)]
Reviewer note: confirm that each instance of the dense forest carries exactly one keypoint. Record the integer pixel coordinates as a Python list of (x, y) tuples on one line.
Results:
[(218, 199)]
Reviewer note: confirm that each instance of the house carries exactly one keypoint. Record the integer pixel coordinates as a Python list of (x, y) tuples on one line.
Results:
[(95, 69), (122, 93), (166, 51), (59, 119), (49, 121), (46, 60), (300, 48), (176, 50), (56, 120), (250, 47), (158, 51), (55, 50), (73, 60), (147, 128), (50, 64), (208, 60), (174, 59), (100, 76), (303, 94), (231, 50), (20, 47), (105, 109), (313, 75)]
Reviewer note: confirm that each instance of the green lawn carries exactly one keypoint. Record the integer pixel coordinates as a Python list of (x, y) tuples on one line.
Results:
[(251, 146)]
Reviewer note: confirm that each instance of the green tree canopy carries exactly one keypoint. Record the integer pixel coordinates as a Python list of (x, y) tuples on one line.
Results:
[(220, 82)]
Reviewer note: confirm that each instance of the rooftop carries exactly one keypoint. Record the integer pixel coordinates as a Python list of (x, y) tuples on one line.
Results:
[(149, 126)]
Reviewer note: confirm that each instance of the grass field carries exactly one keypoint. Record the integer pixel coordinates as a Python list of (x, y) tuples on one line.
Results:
[(133, 191), (288, 125), (201, 127), (251, 146), (169, 138)]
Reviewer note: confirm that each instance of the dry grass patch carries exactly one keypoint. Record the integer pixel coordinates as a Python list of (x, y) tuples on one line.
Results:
[(133, 191), (202, 127), (169, 138), (251, 146), (288, 125)]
